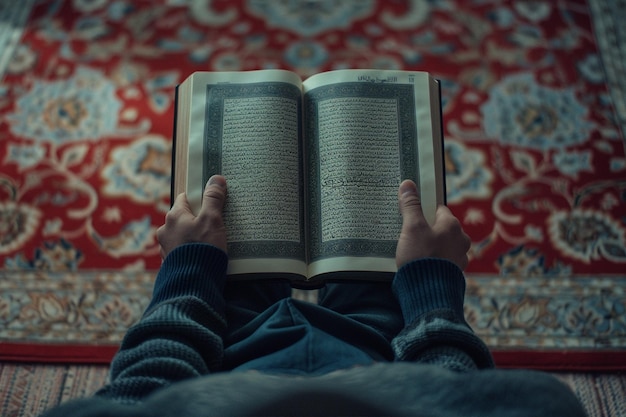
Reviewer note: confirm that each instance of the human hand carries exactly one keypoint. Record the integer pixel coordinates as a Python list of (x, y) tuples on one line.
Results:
[(182, 226), (445, 239)]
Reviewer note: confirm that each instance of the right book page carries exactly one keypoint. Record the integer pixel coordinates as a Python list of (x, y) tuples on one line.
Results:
[(366, 131)]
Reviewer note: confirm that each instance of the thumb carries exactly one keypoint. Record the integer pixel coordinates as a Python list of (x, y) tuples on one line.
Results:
[(214, 194), (410, 203)]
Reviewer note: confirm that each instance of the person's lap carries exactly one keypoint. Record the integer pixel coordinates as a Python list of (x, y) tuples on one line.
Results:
[(367, 302), (362, 313)]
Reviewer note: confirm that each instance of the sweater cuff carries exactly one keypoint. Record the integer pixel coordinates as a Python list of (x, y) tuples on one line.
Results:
[(193, 269), (429, 284)]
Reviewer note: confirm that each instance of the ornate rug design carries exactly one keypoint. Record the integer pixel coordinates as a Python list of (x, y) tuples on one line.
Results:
[(534, 117)]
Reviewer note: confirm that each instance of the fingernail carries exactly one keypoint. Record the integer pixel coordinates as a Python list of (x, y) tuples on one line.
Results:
[(408, 188), (216, 179)]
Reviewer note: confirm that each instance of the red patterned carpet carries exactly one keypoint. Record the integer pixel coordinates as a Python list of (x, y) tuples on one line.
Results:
[(535, 115)]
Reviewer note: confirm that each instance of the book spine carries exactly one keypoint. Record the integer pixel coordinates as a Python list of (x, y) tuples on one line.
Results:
[(443, 148), (172, 196)]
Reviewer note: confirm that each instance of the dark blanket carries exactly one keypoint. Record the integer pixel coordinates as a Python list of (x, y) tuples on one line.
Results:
[(402, 389)]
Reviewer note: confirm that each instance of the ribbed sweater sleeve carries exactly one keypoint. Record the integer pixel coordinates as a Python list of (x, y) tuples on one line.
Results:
[(431, 294), (180, 333)]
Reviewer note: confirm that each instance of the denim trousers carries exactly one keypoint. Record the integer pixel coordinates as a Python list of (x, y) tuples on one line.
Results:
[(352, 324)]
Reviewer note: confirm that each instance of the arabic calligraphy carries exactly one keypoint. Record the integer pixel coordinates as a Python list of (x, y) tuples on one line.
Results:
[(359, 148), (260, 160)]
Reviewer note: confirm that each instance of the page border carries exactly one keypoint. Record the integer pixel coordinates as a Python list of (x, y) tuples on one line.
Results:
[(215, 95)]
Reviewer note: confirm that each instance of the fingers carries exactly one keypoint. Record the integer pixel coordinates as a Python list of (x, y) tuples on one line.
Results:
[(180, 203), (448, 226), (180, 208)]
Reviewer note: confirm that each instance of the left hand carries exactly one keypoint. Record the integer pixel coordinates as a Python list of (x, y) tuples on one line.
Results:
[(181, 226)]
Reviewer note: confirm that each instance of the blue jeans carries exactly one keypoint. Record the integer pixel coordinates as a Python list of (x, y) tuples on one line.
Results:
[(352, 324)]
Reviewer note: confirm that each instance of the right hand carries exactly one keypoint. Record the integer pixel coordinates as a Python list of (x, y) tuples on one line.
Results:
[(445, 239)]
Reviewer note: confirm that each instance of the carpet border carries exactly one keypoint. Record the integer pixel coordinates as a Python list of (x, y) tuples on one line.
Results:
[(57, 353), (561, 360)]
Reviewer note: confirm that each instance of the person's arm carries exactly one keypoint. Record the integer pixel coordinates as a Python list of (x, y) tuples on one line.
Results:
[(180, 334), (430, 288)]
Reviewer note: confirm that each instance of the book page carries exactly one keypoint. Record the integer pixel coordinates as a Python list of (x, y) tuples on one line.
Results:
[(362, 142), (252, 137)]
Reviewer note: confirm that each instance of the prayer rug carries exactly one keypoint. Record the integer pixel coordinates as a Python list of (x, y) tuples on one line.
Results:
[(534, 105)]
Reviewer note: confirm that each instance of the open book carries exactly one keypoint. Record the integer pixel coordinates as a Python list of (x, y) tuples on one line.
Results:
[(313, 167)]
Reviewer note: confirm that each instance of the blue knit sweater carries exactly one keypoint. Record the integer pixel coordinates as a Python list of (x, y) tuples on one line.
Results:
[(294, 360)]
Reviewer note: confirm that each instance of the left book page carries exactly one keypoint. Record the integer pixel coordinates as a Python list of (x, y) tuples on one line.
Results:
[(246, 126)]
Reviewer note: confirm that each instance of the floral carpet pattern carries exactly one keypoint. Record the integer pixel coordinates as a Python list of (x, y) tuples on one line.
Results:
[(534, 116)]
